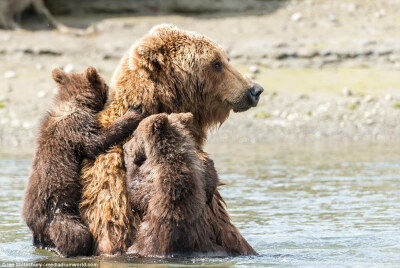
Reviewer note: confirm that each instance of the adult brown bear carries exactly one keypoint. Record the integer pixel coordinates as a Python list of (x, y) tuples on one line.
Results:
[(168, 71)]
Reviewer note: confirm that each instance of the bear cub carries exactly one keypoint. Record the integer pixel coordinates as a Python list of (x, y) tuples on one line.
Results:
[(68, 133), (170, 186)]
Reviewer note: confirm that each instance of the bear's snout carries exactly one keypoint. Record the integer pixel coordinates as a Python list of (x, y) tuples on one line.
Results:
[(254, 94)]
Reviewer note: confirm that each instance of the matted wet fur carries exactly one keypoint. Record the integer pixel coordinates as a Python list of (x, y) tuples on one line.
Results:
[(171, 71), (68, 133), (167, 185)]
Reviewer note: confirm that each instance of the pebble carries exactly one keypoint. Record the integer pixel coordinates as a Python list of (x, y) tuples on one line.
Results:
[(347, 92), (369, 122), (254, 69), (292, 117), (296, 16), (388, 97), (304, 97), (41, 94), (332, 18), (380, 13), (10, 74), (39, 66), (368, 99), (69, 68), (26, 125), (352, 7)]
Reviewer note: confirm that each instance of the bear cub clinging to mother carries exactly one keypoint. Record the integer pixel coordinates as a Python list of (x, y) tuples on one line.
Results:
[(169, 186), (69, 133)]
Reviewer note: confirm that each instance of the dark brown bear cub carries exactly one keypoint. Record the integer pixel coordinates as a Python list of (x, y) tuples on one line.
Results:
[(167, 185), (68, 133)]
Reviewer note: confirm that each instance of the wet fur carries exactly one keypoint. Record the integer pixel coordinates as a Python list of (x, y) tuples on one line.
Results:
[(68, 133), (167, 71), (167, 185)]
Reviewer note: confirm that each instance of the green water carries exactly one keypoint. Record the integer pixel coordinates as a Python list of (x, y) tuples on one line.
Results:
[(308, 205)]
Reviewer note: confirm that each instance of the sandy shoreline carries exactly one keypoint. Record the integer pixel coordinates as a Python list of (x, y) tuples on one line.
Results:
[(305, 54)]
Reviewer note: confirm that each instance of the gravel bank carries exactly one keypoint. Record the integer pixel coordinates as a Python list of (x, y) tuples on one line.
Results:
[(315, 118)]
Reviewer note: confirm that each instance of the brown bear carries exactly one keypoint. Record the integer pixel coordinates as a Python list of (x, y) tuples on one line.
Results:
[(167, 186), (167, 71), (68, 133)]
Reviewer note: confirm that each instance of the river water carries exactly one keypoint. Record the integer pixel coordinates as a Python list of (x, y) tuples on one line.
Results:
[(298, 205)]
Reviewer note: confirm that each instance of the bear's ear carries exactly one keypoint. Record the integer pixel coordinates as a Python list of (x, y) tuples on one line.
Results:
[(159, 123), (93, 76), (59, 76), (149, 53), (186, 119)]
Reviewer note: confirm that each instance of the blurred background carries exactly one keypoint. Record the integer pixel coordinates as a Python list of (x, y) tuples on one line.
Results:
[(312, 173), (330, 68)]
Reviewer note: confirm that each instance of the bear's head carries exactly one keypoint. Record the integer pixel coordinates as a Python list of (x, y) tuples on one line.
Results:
[(87, 89), (176, 71), (160, 136)]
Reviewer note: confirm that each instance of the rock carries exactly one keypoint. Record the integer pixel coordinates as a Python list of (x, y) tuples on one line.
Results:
[(10, 74), (280, 44), (307, 53), (254, 69), (332, 18), (368, 99), (69, 68), (41, 94), (39, 66), (292, 116), (352, 7), (347, 91), (369, 121), (296, 16), (304, 97), (26, 125), (388, 97), (366, 43), (380, 13)]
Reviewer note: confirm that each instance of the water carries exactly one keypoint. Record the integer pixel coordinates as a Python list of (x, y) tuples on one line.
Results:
[(308, 205)]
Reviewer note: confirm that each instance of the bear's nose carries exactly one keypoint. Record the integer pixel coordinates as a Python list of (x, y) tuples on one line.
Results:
[(254, 94)]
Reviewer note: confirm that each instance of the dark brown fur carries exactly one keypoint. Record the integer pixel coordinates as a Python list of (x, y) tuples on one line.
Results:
[(68, 133), (168, 71), (167, 185)]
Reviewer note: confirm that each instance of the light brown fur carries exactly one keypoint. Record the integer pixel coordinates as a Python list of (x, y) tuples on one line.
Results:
[(171, 71)]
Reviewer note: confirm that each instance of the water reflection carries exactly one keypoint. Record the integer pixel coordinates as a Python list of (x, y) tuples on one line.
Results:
[(316, 205)]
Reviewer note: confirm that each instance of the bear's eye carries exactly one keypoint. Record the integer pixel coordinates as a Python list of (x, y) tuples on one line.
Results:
[(217, 66)]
